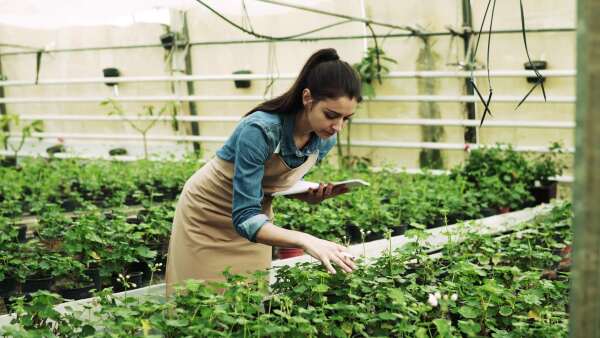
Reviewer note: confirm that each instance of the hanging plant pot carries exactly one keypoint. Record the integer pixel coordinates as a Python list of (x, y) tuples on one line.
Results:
[(168, 40), (111, 72), (242, 83), (290, 252), (55, 149), (117, 152), (172, 39), (539, 65)]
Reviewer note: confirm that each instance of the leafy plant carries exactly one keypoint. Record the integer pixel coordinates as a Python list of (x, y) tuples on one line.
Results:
[(143, 127), (9, 122)]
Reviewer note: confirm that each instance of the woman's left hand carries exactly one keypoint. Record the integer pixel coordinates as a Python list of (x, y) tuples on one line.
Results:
[(318, 195)]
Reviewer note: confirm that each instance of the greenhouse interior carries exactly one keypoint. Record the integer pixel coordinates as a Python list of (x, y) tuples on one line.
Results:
[(286, 168)]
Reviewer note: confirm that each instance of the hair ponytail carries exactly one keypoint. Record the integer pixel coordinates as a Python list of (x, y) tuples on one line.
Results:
[(325, 75)]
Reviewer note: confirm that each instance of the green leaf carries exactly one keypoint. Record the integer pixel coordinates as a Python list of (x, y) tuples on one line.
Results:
[(443, 327), (469, 327), (505, 310), (469, 312), (320, 288)]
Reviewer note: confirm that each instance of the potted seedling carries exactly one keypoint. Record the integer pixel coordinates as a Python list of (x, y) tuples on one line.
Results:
[(117, 152), (12, 122), (70, 280), (543, 169), (143, 127)]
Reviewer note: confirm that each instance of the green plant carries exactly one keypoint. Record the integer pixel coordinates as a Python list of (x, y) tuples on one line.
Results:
[(12, 121), (372, 67), (144, 126)]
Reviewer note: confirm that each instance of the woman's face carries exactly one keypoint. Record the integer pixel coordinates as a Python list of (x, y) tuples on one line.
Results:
[(327, 117)]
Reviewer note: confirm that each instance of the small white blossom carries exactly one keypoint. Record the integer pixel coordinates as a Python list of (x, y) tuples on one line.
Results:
[(437, 295), (454, 297), (537, 184), (432, 300), (445, 297)]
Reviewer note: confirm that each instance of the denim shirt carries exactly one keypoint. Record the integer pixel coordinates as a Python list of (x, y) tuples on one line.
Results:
[(252, 143)]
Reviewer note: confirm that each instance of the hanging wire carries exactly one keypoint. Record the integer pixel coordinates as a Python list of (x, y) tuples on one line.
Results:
[(473, 55), (540, 79), (272, 69), (268, 37)]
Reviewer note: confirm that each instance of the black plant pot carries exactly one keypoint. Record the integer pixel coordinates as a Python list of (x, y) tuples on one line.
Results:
[(22, 233), (353, 233), (70, 204), (133, 220), (535, 64), (168, 40), (399, 230), (9, 301), (8, 161), (242, 83), (55, 149), (77, 293), (111, 72), (142, 267), (373, 236), (35, 284), (544, 193), (94, 274), (117, 152), (8, 286)]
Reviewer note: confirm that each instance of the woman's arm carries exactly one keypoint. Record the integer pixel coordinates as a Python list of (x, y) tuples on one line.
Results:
[(325, 251)]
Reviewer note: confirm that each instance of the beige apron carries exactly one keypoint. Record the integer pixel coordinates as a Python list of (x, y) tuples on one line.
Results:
[(203, 239)]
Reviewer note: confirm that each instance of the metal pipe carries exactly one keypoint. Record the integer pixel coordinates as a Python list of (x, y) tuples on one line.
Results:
[(287, 76), (221, 139), (304, 39), (355, 121), (253, 98)]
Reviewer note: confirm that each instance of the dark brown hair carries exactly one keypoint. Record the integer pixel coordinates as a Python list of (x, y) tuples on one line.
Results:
[(325, 75)]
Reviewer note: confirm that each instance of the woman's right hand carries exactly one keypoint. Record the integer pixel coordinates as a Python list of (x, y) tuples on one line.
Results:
[(329, 252)]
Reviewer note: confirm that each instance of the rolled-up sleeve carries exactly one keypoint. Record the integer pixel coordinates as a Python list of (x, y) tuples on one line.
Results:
[(252, 150)]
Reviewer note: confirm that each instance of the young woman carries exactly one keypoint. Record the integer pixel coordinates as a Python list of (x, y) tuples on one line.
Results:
[(224, 215)]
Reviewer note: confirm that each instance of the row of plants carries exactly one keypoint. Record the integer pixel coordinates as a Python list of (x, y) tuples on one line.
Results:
[(491, 181), (95, 249), (515, 285), (71, 183)]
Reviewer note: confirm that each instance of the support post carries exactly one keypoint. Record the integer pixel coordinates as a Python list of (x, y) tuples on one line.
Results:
[(467, 16), (2, 104), (585, 284)]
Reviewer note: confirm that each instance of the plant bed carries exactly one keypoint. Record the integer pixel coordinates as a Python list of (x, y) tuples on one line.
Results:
[(482, 286)]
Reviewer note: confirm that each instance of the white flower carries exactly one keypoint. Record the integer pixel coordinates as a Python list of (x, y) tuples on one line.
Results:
[(437, 295), (445, 297), (454, 297), (432, 300), (537, 184)]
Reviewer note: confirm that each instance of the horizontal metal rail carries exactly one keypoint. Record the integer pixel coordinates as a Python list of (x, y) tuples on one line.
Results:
[(355, 121), (257, 98), (437, 172), (299, 39), (222, 139), (287, 76)]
